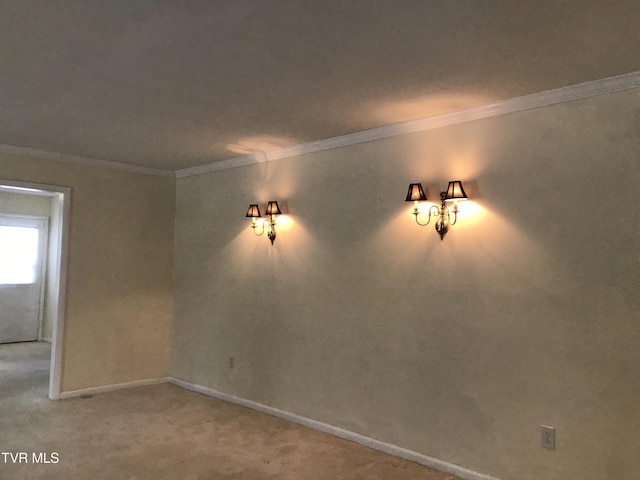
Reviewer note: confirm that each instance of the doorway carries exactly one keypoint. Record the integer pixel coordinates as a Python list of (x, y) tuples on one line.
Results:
[(33, 252), (23, 251)]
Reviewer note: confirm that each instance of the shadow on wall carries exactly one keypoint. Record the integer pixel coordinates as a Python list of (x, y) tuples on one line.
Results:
[(248, 252), (481, 245)]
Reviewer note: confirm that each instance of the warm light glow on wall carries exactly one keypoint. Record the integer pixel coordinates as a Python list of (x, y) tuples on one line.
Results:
[(285, 223), (260, 144), (423, 208), (468, 211), (427, 106), (471, 213)]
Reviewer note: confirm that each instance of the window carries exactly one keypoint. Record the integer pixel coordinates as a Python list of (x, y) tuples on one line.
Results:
[(19, 250)]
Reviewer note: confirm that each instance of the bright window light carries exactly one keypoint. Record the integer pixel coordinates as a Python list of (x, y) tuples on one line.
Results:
[(18, 255)]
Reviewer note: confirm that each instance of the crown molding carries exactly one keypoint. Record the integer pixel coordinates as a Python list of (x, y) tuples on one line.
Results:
[(87, 161), (518, 104), (232, 163)]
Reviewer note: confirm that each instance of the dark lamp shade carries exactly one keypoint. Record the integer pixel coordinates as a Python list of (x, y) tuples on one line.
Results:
[(455, 192), (415, 193), (253, 211), (273, 208)]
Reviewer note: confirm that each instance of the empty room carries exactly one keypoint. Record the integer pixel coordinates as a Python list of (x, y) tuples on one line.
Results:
[(324, 239)]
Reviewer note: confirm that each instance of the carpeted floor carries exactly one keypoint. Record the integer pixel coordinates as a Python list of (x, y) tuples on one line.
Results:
[(165, 432)]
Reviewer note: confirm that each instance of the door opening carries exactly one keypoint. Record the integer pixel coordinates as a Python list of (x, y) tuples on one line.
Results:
[(23, 260), (33, 252)]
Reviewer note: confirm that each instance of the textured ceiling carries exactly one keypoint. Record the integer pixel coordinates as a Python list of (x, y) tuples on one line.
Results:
[(174, 84)]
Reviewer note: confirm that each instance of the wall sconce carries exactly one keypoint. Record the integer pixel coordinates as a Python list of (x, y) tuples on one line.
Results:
[(455, 193), (272, 210)]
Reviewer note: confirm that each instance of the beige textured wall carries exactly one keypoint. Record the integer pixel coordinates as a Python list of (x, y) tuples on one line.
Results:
[(526, 314), (119, 298)]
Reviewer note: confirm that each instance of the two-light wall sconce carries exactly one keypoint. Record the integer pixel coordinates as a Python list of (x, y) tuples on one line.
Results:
[(272, 210), (455, 193)]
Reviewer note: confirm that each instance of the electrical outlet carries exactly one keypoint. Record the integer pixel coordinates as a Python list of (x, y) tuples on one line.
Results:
[(547, 437), (232, 362)]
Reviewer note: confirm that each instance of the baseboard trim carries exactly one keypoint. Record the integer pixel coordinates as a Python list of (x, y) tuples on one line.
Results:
[(431, 462), (110, 388)]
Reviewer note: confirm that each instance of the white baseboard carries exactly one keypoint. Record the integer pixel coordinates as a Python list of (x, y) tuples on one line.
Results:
[(110, 388), (431, 462)]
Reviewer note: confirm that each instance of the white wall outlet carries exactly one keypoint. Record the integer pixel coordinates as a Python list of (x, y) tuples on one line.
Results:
[(547, 437), (232, 362)]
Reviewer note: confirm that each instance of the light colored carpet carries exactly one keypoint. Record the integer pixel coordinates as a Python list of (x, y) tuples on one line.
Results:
[(165, 432)]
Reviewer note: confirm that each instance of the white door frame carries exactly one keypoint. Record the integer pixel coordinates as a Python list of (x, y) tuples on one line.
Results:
[(61, 205)]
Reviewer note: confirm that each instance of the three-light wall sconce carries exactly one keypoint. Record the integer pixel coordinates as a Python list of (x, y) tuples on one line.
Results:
[(272, 210), (454, 194)]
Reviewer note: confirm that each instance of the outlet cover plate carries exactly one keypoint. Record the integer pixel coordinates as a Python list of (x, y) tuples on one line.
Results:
[(547, 437)]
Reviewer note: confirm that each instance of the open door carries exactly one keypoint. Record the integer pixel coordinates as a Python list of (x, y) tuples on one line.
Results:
[(23, 243)]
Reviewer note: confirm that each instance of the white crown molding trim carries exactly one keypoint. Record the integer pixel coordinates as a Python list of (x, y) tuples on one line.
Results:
[(231, 163), (431, 462), (113, 387), (519, 104), (87, 161)]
